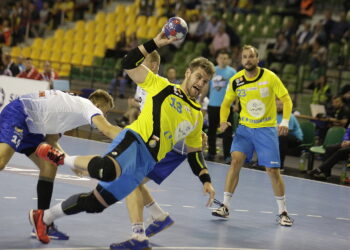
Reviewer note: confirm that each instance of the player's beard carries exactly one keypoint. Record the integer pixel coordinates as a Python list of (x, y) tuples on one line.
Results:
[(251, 68)]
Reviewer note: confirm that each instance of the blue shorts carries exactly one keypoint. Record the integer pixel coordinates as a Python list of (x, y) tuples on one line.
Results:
[(135, 161), (166, 166), (264, 141), (14, 130)]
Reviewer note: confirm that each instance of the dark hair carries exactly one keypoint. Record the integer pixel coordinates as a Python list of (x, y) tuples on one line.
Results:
[(222, 51)]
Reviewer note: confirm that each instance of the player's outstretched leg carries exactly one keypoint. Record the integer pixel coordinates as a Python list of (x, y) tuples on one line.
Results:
[(159, 225), (49, 153)]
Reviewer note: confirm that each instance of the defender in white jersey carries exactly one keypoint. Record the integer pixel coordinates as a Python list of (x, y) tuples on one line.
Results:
[(42, 116)]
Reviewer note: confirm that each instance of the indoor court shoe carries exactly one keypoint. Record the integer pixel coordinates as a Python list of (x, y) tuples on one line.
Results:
[(158, 225), (53, 233), (132, 244), (40, 228), (284, 220), (49, 153), (222, 212)]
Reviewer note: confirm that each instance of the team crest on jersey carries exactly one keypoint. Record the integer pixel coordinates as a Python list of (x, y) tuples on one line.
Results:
[(41, 93), (18, 130), (239, 81)]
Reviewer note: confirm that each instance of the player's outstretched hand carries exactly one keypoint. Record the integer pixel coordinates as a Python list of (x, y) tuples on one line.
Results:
[(208, 188), (224, 126), (161, 40)]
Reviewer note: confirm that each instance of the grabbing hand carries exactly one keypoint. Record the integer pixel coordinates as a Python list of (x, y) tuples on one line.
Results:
[(161, 39), (224, 126)]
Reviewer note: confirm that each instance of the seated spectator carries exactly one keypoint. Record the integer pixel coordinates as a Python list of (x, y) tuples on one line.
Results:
[(30, 71), (171, 75), (10, 68), (201, 29), (334, 153), (345, 93), (290, 142), (322, 91), (221, 41), (49, 74), (20, 63), (6, 32), (318, 55), (279, 50), (340, 28), (212, 29)]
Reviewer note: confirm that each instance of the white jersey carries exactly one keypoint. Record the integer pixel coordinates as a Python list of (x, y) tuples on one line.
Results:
[(140, 96), (53, 111)]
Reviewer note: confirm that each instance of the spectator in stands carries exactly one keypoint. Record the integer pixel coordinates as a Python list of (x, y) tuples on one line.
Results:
[(81, 6), (30, 71), (171, 75), (49, 74), (321, 91), (45, 18), (10, 68), (338, 113), (328, 23), (132, 41), (147, 7), (20, 63), (318, 33), (192, 23), (304, 35), (217, 89), (334, 153), (68, 9), (212, 29), (339, 29), (345, 93), (6, 32), (289, 29), (293, 139), (202, 26), (279, 50), (318, 55), (221, 41)]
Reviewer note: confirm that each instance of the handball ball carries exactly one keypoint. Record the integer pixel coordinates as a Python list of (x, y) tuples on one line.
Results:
[(175, 27)]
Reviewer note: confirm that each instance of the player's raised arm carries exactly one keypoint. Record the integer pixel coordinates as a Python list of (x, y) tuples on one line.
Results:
[(132, 62)]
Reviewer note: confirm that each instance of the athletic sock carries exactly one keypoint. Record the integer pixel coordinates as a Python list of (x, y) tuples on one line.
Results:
[(69, 160), (55, 212), (44, 192), (281, 203), (156, 211), (138, 231), (227, 199)]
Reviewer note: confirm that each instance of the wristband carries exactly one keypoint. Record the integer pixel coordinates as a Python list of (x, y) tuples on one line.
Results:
[(150, 46), (284, 123), (205, 178)]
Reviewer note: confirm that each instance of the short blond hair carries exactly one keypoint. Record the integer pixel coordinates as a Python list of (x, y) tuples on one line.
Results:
[(248, 47), (204, 63), (101, 96)]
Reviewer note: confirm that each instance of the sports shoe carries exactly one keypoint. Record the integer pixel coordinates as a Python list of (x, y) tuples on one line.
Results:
[(158, 225), (284, 220), (132, 244), (40, 228), (49, 153), (222, 212), (53, 233)]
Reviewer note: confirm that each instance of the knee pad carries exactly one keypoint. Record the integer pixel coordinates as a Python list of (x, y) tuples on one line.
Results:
[(85, 202), (102, 169)]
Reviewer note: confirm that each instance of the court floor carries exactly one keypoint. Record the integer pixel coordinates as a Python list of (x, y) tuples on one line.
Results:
[(321, 211)]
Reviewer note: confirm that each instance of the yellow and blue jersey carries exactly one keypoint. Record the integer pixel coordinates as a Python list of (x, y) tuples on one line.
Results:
[(170, 115), (257, 97)]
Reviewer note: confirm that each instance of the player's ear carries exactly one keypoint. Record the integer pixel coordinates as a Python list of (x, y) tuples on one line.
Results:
[(187, 73)]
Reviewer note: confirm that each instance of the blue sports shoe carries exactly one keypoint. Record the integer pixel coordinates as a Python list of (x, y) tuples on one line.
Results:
[(132, 244), (53, 233), (158, 225)]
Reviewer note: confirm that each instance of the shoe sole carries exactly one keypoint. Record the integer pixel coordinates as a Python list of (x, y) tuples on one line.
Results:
[(220, 216), (150, 235)]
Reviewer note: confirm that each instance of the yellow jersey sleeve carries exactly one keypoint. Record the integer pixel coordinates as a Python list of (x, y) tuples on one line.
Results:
[(153, 83), (194, 139), (278, 87)]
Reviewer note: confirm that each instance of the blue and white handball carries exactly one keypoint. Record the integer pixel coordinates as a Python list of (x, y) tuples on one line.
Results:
[(175, 27)]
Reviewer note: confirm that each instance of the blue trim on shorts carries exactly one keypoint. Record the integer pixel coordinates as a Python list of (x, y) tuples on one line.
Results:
[(135, 162), (166, 166), (14, 130), (264, 141)]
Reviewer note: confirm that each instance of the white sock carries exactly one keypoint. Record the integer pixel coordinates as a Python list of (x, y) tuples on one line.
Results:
[(53, 213), (69, 160), (227, 199), (138, 231), (281, 202), (156, 211)]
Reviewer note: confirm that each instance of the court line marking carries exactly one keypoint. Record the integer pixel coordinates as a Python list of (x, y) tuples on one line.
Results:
[(341, 218), (188, 206), (314, 216), (266, 212), (288, 176), (241, 210), (10, 197), (160, 248)]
